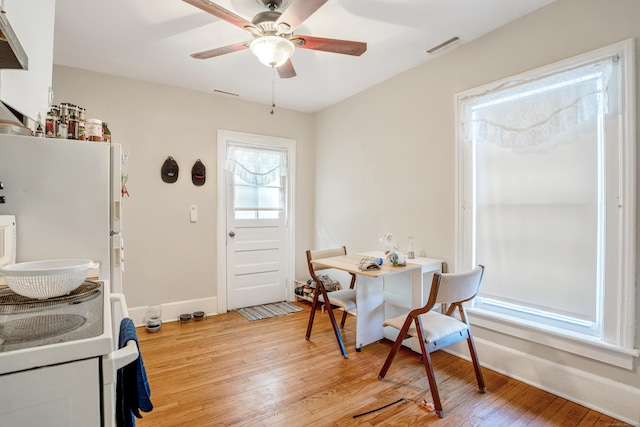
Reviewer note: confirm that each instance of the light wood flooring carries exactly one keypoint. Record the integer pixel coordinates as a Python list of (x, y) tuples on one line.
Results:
[(228, 371)]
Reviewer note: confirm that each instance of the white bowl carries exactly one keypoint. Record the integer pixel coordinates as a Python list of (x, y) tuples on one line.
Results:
[(46, 279)]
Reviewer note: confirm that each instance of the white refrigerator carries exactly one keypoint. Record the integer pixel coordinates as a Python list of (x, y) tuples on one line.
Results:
[(67, 201)]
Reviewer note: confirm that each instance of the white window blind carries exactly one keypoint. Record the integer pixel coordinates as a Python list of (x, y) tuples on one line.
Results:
[(544, 170), (259, 181)]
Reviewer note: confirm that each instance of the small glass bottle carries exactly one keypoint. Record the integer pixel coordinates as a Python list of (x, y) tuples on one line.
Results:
[(50, 124), (39, 131), (411, 254), (106, 133), (82, 124), (82, 136), (63, 127), (64, 110), (72, 130)]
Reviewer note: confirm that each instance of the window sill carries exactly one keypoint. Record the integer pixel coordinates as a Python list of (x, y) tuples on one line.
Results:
[(581, 345)]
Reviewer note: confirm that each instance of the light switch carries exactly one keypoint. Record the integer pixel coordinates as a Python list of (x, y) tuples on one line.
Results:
[(194, 213)]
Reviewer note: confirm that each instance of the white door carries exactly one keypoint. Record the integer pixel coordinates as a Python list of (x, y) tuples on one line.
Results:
[(257, 187)]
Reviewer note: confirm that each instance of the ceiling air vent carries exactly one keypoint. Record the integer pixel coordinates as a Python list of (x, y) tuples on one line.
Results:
[(443, 45)]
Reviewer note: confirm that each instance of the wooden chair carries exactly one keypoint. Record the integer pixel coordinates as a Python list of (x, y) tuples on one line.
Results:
[(435, 330), (344, 299)]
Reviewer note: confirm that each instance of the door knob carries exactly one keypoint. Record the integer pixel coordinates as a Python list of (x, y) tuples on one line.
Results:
[(231, 234)]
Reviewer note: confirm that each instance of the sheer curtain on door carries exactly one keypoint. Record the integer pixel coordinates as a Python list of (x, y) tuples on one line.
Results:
[(259, 181)]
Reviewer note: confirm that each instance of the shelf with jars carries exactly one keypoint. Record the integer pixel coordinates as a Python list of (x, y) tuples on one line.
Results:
[(69, 121)]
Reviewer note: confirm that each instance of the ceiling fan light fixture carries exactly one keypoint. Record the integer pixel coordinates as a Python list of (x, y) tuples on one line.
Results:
[(272, 51)]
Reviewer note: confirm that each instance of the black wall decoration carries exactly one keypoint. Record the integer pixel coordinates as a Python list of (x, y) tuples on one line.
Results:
[(198, 173), (169, 170)]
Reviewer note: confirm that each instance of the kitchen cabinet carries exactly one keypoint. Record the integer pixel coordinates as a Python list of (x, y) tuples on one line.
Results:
[(28, 91), (66, 395)]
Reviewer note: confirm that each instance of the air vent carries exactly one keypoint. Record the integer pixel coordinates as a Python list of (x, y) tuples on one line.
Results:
[(443, 45), (225, 93)]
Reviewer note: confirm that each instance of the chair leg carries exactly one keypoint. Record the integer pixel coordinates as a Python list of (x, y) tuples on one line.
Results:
[(314, 307), (343, 350), (390, 357), (312, 314), (334, 324), (428, 367), (476, 363), (394, 349), (344, 318)]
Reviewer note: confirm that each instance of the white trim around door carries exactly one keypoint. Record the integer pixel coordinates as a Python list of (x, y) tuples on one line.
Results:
[(224, 138)]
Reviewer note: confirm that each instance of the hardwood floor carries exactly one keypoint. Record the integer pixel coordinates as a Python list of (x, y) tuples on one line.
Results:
[(228, 371)]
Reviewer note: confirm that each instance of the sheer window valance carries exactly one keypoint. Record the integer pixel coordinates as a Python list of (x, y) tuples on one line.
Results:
[(256, 166), (527, 115)]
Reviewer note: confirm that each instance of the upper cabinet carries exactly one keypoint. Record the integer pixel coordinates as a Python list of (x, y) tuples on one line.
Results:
[(27, 91)]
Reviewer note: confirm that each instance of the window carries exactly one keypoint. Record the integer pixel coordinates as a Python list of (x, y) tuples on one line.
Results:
[(259, 181), (546, 196)]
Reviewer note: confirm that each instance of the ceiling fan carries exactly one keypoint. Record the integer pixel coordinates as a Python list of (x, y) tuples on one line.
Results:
[(273, 39)]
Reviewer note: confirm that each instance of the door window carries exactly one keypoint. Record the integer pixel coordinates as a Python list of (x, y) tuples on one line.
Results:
[(259, 177)]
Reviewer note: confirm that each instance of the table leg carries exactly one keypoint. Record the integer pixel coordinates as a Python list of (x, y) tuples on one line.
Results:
[(417, 300), (370, 315)]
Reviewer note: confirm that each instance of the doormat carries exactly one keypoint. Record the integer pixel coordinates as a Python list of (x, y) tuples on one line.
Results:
[(266, 311)]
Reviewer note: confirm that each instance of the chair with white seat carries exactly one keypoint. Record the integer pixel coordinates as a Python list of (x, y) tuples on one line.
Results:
[(435, 330), (344, 299)]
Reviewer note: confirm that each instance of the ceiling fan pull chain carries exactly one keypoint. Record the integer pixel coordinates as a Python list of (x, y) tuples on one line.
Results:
[(273, 89)]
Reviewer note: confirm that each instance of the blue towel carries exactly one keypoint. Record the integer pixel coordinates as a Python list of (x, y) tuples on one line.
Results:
[(132, 390)]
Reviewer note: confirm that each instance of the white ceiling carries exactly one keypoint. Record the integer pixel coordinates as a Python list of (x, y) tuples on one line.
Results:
[(151, 40)]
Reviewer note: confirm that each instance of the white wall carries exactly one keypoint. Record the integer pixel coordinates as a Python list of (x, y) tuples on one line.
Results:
[(169, 259), (385, 160)]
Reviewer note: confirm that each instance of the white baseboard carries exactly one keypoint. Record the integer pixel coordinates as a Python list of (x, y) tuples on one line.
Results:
[(601, 394), (171, 311)]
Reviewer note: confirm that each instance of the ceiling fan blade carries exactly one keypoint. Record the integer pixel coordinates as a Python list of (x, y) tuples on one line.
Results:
[(298, 11), (220, 12), (286, 70), (345, 47), (220, 51)]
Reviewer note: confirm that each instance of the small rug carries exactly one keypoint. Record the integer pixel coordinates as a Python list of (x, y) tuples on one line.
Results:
[(266, 311)]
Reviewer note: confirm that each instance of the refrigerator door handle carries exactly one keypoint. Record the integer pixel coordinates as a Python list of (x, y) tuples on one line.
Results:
[(116, 188), (117, 257), (116, 263), (117, 210)]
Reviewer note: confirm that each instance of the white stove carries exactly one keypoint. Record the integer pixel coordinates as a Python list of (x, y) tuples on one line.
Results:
[(58, 359), (26, 323)]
